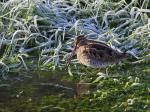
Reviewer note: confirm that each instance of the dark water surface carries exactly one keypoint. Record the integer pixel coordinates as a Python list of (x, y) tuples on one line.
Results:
[(25, 87)]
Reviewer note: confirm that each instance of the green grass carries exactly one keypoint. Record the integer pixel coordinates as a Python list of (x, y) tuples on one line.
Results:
[(38, 34)]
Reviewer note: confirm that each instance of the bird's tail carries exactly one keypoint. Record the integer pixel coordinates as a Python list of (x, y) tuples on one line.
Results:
[(130, 55)]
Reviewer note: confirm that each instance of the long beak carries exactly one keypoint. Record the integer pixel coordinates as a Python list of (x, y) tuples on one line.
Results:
[(69, 57)]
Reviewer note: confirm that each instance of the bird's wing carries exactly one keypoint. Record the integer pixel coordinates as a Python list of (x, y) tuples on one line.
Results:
[(98, 42), (102, 52)]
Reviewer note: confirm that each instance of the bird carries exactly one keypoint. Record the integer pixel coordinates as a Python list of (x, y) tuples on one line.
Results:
[(95, 54)]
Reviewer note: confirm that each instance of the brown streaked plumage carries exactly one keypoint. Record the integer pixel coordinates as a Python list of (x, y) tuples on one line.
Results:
[(95, 54)]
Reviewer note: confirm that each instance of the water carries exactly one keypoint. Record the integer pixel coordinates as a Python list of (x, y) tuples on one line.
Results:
[(32, 87)]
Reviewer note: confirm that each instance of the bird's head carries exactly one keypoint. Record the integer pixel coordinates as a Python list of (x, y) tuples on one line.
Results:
[(79, 41)]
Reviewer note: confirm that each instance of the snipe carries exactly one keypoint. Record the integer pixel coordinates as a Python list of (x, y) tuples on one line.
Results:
[(95, 54)]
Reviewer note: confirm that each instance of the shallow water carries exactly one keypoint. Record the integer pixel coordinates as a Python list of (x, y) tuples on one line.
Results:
[(35, 84), (21, 90), (31, 87)]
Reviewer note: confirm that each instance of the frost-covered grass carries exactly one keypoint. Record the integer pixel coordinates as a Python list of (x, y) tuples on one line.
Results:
[(44, 29)]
